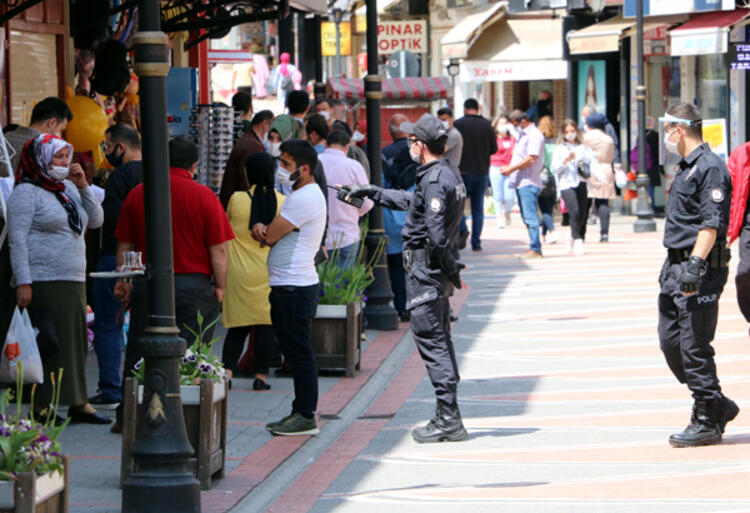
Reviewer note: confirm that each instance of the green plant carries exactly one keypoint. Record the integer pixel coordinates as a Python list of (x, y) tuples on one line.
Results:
[(198, 363), (27, 445), (342, 286)]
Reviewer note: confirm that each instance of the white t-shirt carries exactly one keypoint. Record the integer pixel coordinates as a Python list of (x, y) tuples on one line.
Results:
[(291, 260)]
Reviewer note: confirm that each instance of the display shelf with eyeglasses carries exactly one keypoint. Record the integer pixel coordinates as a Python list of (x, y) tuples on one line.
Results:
[(215, 129)]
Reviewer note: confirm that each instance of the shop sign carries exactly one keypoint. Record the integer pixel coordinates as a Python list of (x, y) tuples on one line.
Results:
[(666, 7), (656, 41), (739, 56), (360, 23), (715, 134), (592, 85), (402, 35), (496, 71), (705, 42), (328, 38)]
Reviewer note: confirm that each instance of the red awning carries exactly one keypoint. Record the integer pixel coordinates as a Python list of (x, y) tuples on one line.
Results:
[(411, 88), (716, 19)]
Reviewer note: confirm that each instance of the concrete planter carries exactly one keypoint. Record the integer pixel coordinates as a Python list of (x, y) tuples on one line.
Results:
[(337, 337), (30, 493), (205, 409)]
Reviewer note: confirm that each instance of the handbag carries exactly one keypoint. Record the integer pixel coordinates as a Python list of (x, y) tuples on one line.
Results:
[(549, 186), (47, 340), (584, 169), (20, 347)]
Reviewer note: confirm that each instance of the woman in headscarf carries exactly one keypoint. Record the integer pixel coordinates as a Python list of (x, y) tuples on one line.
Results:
[(601, 184), (282, 77), (246, 306), (48, 212)]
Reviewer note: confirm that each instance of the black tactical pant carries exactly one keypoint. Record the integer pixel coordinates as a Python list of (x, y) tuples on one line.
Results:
[(430, 326), (687, 326)]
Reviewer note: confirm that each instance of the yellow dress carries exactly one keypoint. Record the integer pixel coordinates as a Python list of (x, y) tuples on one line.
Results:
[(246, 298)]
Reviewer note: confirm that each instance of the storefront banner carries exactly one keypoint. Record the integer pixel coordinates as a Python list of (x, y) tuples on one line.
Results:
[(664, 7), (592, 85), (497, 71), (699, 41), (402, 35), (715, 134), (328, 38)]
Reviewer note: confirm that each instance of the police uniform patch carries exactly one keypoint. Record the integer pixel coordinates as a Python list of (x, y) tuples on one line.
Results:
[(717, 195), (436, 204)]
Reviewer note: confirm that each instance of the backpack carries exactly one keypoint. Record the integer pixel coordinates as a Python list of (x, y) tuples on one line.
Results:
[(287, 84)]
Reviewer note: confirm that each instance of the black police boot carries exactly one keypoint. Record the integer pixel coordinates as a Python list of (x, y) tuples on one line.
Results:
[(728, 410), (703, 428), (446, 425)]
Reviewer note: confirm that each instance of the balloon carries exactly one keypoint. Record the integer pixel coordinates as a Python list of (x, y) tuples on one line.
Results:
[(86, 130)]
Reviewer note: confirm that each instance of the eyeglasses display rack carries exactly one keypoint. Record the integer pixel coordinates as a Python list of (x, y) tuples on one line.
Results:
[(214, 129)]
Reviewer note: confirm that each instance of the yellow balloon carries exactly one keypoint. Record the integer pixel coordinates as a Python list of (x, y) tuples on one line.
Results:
[(86, 130)]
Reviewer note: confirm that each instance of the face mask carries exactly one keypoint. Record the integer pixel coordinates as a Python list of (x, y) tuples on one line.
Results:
[(358, 136), (672, 147), (58, 172), (414, 156), (326, 114), (114, 159), (274, 148), (503, 129), (570, 137), (446, 125)]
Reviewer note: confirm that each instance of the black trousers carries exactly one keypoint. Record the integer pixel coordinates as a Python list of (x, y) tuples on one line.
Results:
[(576, 203), (398, 281), (602, 207), (193, 294), (742, 280), (687, 326), (265, 347), (292, 312), (430, 325)]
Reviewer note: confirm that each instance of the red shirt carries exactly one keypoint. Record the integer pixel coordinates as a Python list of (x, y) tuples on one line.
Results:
[(198, 222), (504, 152)]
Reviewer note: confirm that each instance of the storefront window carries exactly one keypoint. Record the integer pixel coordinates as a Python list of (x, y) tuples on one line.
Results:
[(711, 77), (663, 75)]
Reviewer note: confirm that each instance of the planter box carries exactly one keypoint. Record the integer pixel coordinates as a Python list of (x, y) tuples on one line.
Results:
[(36, 494), (337, 337), (205, 409)]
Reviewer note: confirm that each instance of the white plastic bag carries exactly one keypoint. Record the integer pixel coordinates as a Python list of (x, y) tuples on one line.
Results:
[(20, 346), (621, 179)]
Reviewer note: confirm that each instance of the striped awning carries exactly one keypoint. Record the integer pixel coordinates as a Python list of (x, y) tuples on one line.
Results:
[(410, 88)]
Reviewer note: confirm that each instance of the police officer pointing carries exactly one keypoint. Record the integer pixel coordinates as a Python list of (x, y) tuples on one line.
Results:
[(694, 274), (434, 213)]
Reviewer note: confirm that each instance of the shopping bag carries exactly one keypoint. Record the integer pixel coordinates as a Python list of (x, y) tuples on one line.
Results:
[(20, 346)]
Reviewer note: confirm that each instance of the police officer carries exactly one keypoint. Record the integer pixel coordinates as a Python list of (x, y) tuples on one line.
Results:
[(434, 214), (694, 274)]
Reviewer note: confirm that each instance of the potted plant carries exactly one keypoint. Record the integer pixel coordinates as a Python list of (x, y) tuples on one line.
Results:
[(337, 326), (33, 473), (203, 391)]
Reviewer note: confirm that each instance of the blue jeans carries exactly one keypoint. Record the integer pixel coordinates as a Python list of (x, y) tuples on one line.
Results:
[(348, 255), (476, 185), (107, 331), (528, 198), (501, 193)]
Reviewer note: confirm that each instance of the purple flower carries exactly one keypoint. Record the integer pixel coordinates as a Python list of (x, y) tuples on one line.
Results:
[(138, 364), (338, 286), (346, 281), (206, 368), (322, 293), (364, 299)]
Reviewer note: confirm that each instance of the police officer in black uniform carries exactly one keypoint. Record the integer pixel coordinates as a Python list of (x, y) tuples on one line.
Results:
[(434, 214), (694, 274)]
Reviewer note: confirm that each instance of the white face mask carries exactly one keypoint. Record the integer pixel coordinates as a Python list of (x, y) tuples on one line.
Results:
[(414, 156), (570, 137), (58, 172), (503, 128), (274, 148), (282, 177), (672, 147), (446, 124), (326, 114), (358, 136)]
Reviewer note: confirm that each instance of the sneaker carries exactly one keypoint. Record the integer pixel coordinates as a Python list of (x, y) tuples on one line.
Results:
[(604, 238), (552, 237), (275, 424), (530, 254), (463, 236), (294, 425), (578, 247), (102, 402), (568, 245)]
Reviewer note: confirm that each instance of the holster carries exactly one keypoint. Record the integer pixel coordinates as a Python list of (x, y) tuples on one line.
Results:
[(411, 256), (718, 257)]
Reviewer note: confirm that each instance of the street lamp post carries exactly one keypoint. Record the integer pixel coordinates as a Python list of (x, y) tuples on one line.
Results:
[(453, 70), (159, 483), (338, 15), (379, 313), (645, 221)]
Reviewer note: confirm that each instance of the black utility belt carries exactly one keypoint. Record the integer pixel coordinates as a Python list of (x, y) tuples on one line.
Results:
[(410, 256), (718, 257)]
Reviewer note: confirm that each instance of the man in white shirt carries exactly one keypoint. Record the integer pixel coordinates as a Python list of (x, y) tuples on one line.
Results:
[(343, 219), (294, 236)]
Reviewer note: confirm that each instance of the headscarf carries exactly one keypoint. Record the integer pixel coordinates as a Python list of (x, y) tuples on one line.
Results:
[(284, 125), (33, 167), (283, 68), (596, 120), (260, 168)]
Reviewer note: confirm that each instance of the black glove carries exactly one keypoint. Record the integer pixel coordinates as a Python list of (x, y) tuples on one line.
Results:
[(360, 190), (690, 279), (455, 276)]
